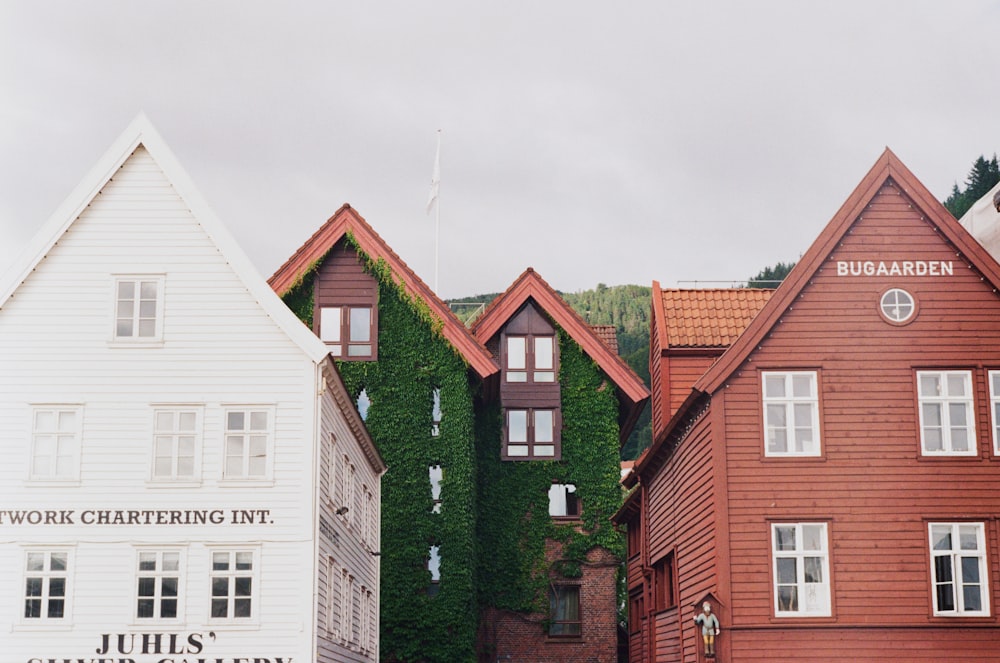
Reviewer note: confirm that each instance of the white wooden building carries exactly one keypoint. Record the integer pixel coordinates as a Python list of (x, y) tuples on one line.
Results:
[(184, 477)]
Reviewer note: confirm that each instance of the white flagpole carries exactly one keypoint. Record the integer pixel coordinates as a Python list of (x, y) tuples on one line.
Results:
[(434, 200)]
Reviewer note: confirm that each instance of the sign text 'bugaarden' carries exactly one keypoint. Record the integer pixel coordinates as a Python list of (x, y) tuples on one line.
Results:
[(136, 517), (895, 268)]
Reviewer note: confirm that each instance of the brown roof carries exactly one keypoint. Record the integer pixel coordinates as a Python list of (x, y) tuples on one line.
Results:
[(632, 392), (706, 318), (608, 334), (347, 221)]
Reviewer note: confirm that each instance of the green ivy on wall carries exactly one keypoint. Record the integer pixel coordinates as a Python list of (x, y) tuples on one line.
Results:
[(494, 522), (413, 360), (514, 523)]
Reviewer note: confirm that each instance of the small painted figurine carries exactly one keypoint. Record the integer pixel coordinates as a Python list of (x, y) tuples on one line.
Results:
[(709, 627)]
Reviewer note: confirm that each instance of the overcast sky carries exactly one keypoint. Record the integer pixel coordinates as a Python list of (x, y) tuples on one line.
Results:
[(597, 142)]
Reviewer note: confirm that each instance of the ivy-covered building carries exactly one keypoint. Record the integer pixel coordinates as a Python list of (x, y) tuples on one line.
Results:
[(502, 446)]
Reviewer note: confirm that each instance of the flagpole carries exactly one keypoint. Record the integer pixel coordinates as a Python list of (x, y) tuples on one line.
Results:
[(434, 199)]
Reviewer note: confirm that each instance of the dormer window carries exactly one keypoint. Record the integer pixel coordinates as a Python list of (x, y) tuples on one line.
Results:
[(530, 359), (347, 331)]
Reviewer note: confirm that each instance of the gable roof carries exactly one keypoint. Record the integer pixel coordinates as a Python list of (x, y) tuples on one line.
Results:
[(888, 167), (141, 132), (711, 318), (347, 220), (633, 394)]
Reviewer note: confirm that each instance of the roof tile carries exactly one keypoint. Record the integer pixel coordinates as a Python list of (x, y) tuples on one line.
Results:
[(709, 318)]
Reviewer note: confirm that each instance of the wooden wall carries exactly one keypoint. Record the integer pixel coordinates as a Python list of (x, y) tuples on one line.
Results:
[(871, 483)]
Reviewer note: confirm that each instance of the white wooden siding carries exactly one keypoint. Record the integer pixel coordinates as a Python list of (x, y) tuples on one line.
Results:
[(219, 348)]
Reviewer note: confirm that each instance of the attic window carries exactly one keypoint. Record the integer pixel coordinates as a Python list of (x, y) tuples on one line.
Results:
[(348, 331), (897, 306)]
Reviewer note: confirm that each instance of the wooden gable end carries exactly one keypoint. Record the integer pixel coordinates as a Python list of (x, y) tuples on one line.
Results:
[(871, 483)]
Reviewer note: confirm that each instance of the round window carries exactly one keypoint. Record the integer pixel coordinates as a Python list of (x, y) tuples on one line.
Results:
[(897, 305)]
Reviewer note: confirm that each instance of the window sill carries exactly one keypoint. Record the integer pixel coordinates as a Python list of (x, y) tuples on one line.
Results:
[(246, 483), (564, 639), (52, 483), (250, 625), (161, 484), (158, 343), (45, 626)]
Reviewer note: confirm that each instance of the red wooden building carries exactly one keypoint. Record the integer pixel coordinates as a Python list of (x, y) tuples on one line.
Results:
[(829, 483)]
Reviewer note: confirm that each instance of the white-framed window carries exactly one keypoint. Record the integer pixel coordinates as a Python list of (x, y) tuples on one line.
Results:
[(353, 607), (897, 305), (947, 423), (332, 614), (46, 585), (248, 443), (563, 502), (138, 308), (958, 569), (801, 569), (56, 432), (333, 471), (348, 331), (351, 493), (531, 434), (995, 409), (791, 413), (436, 475), (372, 522), (369, 617), (176, 443), (233, 585), (158, 584), (346, 587)]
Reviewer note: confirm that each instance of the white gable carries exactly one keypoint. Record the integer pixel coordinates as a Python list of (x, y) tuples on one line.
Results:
[(142, 140), (983, 221)]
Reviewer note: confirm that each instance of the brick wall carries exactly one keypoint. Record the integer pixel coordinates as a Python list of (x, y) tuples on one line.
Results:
[(521, 638)]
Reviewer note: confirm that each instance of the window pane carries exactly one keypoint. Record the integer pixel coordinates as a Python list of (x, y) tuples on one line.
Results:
[(361, 325), (220, 586), (359, 350), (970, 570), (56, 608), (545, 450), (168, 587), (220, 562), (147, 290), (802, 386), (242, 586), (244, 561), (220, 607), (516, 353), (35, 561), (434, 563), (941, 537), (147, 587), (234, 421), (329, 324), (543, 426), (784, 538), (968, 538), (787, 570), (517, 450), (543, 376), (241, 608), (258, 420), (972, 598), (942, 569), (956, 384), (788, 598), (517, 425), (126, 290), (774, 386), (171, 561), (144, 608), (168, 609), (945, 598), (930, 385), (33, 587), (812, 537), (544, 357), (57, 561), (813, 568)]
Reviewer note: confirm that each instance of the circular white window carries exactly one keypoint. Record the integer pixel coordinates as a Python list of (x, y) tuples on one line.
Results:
[(897, 305)]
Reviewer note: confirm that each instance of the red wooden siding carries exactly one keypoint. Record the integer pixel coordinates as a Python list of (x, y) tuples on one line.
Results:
[(871, 483), (682, 519)]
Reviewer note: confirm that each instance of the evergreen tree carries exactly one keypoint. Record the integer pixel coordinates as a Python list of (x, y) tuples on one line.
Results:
[(984, 176), (770, 277)]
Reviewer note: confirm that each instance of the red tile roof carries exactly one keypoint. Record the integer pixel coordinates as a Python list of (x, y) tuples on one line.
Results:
[(347, 220), (706, 318), (608, 334)]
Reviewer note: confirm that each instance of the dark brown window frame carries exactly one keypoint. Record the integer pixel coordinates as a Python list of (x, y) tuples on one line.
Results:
[(558, 624), (345, 331), (530, 442), (529, 359)]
